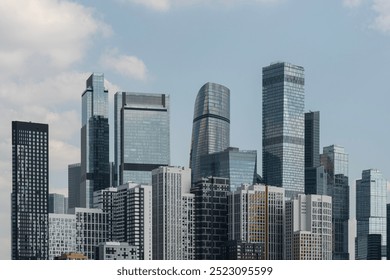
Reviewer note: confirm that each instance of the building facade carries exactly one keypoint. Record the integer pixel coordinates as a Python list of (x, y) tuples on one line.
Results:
[(309, 228), (168, 213), (211, 125), (256, 216), (116, 251), (30, 191), (58, 203), (335, 161), (141, 135), (62, 235), (95, 165), (371, 216), (74, 181), (283, 127), (240, 167)]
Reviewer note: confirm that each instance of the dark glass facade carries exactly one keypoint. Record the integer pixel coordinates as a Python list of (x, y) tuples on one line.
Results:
[(210, 218), (371, 198), (283, 127), (74, 180), (30, 191), (95, 165), (141, 135), (211, 124), (335, 161), (239, 167)]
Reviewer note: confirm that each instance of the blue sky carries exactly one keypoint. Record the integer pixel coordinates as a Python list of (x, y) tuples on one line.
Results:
[(50, 47)]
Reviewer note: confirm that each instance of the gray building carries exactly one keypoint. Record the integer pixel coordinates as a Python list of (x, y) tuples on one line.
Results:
[(62, 234), (171, 236), (30, 191), (283, 127), (335, 161), (211, 125), (240, 167), (211, 210), (116, 251), (315, 177), (74, 181), (95, 165), (141, 135), (58, 203), (371, 198)]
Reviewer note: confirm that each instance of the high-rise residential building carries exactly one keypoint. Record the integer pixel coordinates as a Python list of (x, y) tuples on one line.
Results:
[(141, 135), (315, 177), (95, 165), (74, 181), (62, 234), (283, 127), (211, 125), (240, 167), (30, 191), (210, 218), (91, 229), (129, 210), (309, 227), (256, 216), (335, 161), (171, 236), (371, 198), (58, 203)]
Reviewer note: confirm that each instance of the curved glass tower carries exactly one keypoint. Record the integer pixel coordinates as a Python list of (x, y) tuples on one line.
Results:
[(211, 125)]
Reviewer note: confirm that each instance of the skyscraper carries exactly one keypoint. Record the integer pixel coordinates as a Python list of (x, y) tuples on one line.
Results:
[(74, 180), (315, 177), (141, 135), (335, 161), (283, 127), (30, 191), (172, 236), (240, 167), (58, 203), (371, 197), (211, 124), (95, 165)]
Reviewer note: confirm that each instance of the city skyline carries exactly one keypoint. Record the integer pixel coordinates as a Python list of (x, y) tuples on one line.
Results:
[(44, 68)]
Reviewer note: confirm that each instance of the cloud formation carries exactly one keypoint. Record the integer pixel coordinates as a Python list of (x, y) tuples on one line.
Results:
[(382, 20), (126, 65), (352, 3)]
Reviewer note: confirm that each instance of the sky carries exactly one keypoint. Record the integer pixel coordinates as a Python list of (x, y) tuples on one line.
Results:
[(50, 47)]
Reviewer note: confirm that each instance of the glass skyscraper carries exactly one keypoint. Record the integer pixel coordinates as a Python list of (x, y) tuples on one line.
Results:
[(142, 134), (371, 197), (240, 167), (30, 191), (95, 165), (283, 127), (335, 161), (211, 124)]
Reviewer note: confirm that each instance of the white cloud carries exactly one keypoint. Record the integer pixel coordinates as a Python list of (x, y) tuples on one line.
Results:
[(352, 3), (382, 21), (164, 5), (52, 32), (129, 66)]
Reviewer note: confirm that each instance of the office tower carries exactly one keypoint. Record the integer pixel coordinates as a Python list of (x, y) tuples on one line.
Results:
[(371, 198), (169, 185), (210, 218), (283, 127), (309, 227), (256, 216), (91, 230), (74, 181), (58, 204), (30, 191), (335, 161), (188, 226), (315, 177), (211, 125), (116, 251), (95, 165), (129, 210), (141, 135), (240, 167), (62, 234)]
